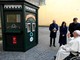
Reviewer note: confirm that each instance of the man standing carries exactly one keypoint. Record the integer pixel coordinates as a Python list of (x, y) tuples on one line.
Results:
[(74, 26), (53, 30)]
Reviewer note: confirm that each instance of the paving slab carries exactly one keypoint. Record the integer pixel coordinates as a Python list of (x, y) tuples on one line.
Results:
[(40, 52)]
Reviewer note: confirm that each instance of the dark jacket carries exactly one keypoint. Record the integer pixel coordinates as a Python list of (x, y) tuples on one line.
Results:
[(62, 37), (51, 27), (73, 27)]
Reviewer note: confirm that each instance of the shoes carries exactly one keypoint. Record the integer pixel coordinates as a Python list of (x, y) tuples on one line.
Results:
[(54, 45), (50, 45)]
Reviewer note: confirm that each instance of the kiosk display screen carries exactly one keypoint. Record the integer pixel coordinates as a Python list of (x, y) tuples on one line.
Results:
[(13, 21), (13, 18)]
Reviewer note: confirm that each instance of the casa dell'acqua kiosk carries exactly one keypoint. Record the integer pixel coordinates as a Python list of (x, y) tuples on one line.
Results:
[(19, 20)]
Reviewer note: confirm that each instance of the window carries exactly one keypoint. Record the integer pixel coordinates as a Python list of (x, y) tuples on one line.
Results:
[(12, 18), (13, 21), (33, 26), (28, 26), (0, 19)]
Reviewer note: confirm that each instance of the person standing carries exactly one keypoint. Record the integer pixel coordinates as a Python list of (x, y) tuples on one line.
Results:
[(63, 32), (74, 26), (53, 30)]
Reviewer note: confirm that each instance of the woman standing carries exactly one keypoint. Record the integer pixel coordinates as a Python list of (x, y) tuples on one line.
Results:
[(63, 32)]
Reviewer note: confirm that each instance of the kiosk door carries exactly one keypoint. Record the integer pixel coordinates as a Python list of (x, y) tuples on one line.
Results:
[(31, 29), (13, 31)]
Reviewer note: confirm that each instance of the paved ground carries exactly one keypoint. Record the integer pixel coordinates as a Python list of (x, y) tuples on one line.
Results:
[(40, 52)]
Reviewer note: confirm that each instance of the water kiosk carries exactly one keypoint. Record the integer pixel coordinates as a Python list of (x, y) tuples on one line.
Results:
[(19, 25)]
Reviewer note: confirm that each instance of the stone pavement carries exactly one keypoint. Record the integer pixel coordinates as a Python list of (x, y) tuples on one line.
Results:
[(40, 52)]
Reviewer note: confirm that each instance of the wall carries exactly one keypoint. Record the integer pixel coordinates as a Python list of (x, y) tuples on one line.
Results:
[(35, 2), (59, 10)]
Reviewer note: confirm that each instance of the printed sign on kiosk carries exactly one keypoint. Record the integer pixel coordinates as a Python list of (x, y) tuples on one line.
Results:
[(14, 39)]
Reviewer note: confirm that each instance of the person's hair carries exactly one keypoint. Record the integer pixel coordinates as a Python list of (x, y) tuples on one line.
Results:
[(63, 23), (74, 19), (53, 21)]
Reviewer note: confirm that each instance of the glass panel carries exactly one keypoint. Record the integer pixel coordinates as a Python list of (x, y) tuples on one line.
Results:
[(28, 26), (13, 18), (13, 21), (33, 26), (0, 19), (0, 24)]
